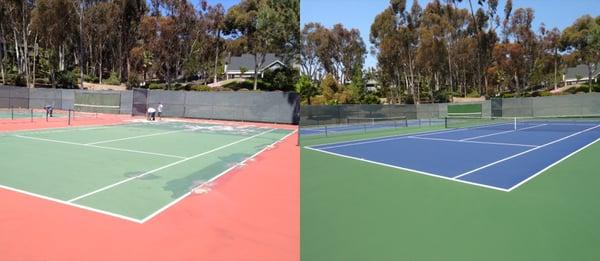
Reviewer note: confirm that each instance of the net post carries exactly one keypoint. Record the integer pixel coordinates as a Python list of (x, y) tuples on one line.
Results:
[(325, 130), (446, 122), (31, 114), (12, 113), (69, 118), (406, 122), (515, 123)]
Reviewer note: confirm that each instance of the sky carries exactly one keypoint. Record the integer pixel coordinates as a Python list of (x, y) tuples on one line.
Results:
[(360, 13)]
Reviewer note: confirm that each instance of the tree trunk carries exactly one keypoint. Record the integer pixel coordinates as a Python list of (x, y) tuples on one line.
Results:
[(25, 45), (81, 59), (17, 52), (517, 84), (52, 78), (555, 69), (590, 80), (217, 59), (2, 53), (100, 70), (35, 53), (257, 65), (450, 71)]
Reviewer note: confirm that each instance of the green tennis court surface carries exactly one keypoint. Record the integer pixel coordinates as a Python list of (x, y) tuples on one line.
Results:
[(132, 171)]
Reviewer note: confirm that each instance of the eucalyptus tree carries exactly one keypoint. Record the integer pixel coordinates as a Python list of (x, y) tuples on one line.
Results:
[(582, 40), (260, 27)]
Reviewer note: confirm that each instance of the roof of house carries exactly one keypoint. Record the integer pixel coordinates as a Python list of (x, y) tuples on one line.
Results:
[(582, 71), (247, 61)]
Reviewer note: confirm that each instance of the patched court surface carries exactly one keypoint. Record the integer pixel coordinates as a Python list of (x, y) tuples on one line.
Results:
[(120, 188), (132, 171)]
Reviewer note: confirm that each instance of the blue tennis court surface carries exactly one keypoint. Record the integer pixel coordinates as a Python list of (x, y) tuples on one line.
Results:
[(493, 156)]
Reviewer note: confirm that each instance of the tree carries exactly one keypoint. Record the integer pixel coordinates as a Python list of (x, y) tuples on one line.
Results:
[(216, 18), (309, 53), (579, 40), (264, 26), (129, 18), (330, 88), (306, 88)]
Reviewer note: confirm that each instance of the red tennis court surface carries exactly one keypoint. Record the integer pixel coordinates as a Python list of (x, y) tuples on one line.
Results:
[(250, 214)]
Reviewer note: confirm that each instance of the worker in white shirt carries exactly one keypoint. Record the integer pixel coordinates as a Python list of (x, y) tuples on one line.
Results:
[(151, 114), (159, 109)]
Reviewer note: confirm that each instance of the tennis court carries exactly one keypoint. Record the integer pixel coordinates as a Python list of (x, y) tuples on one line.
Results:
[(132, 171), (495, 153)]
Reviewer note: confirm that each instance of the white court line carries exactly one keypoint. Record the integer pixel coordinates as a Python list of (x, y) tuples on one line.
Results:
[(407, 169), (67, 130), (213, 179), (524, 152), (503, 132), (475, 142), (99, 147), (71, 204), (552, 165), (168, 165), (137, 137)]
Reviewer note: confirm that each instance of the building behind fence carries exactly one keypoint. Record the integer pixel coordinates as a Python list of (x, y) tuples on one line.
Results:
[(276, 107)]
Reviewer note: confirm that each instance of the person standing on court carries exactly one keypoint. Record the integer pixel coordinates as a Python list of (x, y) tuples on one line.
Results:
[(49, 109), (159, 109), (151, 114)]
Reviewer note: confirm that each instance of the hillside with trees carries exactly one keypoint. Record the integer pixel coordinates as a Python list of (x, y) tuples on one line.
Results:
[(432, 53), (160, 44)]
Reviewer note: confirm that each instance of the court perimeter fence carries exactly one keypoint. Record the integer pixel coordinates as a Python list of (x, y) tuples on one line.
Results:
[(272, 107), (562, 105)]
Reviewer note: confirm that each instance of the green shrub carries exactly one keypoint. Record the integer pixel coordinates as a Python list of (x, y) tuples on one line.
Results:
[(408, 99), (474, 94), (248, 84), (156, 86), (91, 78), (201, 88), (441, 96), (369, 99), (133, 82), (18, 79), (508, 95), (113, 79), (541, 94), (66, 79), (221, 89)]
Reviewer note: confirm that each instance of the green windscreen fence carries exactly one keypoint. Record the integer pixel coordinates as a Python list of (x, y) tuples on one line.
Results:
[(97, 102), (465, 109)]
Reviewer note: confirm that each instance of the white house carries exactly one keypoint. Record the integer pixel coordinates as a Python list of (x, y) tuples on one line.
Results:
[(579, 74), (235, 64)]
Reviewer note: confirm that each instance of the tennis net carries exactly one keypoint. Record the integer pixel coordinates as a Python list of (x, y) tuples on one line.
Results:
[(538, 123), (384, 121)]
